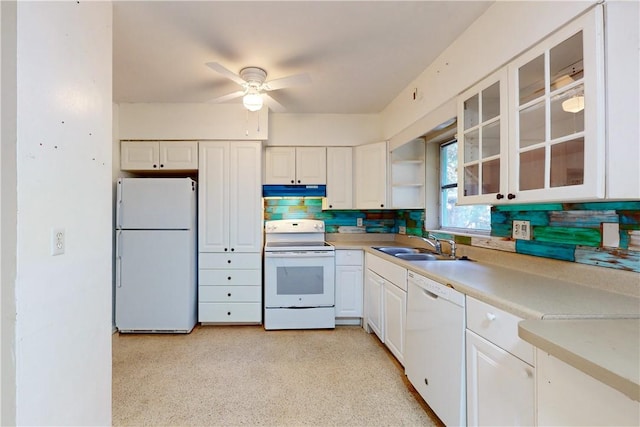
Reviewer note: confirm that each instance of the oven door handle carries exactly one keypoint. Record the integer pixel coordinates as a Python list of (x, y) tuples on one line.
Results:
[(310, 254)]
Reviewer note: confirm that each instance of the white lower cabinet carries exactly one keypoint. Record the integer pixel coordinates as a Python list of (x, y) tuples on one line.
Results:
[(386, 303), (373, 296), (567, 396), (394, 309), (349, 286), (230, 288), (500, 384)]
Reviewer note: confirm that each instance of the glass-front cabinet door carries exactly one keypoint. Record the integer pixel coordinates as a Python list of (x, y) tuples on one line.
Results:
[(534, 131), (482, 141), (557, 116)]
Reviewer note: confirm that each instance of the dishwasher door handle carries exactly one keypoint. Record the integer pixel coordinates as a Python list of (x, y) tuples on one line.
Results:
[(430, 294)]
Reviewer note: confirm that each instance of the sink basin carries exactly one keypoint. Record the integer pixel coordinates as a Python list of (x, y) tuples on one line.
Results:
[(412, 254), (395, 250), (418, 257)]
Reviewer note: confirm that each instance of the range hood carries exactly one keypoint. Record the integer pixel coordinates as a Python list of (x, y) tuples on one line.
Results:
[(294, 191)]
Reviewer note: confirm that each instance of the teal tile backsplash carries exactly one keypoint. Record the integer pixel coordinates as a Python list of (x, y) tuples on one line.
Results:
[(574, 231), (341, 221), (564, 231)]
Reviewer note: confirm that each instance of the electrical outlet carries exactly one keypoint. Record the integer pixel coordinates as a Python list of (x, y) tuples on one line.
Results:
[(522, 230), (57, 241), (359, 222), (402, 229)]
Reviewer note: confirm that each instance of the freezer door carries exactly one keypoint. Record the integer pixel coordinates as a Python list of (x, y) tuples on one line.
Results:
[(156, 203), (156, 281)]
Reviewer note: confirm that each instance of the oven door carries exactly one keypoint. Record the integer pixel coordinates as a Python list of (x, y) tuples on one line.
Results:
[(299, 279)]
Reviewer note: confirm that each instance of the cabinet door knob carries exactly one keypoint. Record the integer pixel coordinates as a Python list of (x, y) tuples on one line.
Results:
[(511, 196), (229, 294), (161, 165), (225, 249), (330, 206), (233, 249), (292, 181), (426, 381), (491, 316), (228, 313), (499, 196), (155, 166), (228, 261), (229, 278), (298, 181), (382, 205)]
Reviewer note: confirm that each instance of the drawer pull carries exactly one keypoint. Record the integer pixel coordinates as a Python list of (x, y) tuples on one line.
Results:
[(228, 313), (229, 294), (491, 316), (228, 261), (229, 278)]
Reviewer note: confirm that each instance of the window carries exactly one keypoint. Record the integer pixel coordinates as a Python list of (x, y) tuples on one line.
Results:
[(472, 217)]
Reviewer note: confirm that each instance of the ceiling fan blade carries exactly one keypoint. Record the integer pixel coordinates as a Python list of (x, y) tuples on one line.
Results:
[(273, 105), (225, 72), (294, 80), (227, 97)]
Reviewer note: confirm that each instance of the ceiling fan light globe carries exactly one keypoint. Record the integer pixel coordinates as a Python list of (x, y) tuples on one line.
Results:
[(252, 101), (574, 104)]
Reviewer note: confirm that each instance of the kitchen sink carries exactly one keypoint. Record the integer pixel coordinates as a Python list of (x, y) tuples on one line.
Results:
[(412, 254), (418, 257), (395, 250)]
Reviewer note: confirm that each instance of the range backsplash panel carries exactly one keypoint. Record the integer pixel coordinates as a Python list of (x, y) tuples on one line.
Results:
[(344, 221)]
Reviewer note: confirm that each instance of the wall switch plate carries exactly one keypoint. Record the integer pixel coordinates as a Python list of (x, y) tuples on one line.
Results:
[(522, 230), (359, 222), (57, 241), (402, 229), (610, 234)]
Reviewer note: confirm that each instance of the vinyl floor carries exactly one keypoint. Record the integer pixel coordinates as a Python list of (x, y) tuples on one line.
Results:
[(244, 375)]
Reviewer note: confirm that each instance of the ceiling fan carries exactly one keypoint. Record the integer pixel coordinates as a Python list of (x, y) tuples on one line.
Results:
[(254, 85)]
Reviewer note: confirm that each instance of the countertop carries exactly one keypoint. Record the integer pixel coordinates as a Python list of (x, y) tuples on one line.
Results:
[(594, 330), (600, 347)]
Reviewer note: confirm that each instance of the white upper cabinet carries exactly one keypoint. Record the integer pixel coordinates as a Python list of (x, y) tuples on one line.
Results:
[(371, 175), (339, 178), (408, 175), (159, 155), (483, 141), (546, 142), (296, 165), (230, 203)]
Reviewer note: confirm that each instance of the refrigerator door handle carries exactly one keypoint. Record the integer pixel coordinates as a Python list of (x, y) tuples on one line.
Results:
[(119, 259)]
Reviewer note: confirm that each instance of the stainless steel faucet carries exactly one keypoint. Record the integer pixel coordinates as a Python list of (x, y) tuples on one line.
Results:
[(436, 244), (432, 241)]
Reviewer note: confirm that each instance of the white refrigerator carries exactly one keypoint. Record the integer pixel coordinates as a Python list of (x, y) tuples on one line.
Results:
[(156, 287)]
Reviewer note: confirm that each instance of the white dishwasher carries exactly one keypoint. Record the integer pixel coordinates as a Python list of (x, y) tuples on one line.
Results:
[(434, 352)]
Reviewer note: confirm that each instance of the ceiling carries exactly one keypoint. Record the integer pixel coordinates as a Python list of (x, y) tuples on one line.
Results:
[(359, 54)]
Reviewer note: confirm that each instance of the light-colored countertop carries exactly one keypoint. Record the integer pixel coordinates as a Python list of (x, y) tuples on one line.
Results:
[(580, 325), (602, 348)]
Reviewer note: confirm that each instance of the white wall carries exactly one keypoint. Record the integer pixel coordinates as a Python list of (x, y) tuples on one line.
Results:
[(324, 129), (8, 211), (504, 31), (63, 327), (191, 121)]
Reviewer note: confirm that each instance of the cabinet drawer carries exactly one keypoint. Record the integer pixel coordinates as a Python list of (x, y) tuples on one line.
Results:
[(498, 327), (388, 270), (230, 294), (349, 257), (230, 260), (232, 312), (222, 277)]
